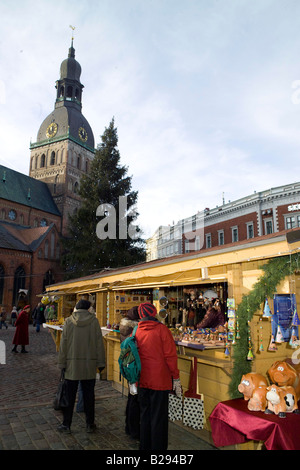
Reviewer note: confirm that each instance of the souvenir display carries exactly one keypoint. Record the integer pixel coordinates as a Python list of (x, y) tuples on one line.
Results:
[(280, 397), (283, 374), (281, 400), (250, 382)]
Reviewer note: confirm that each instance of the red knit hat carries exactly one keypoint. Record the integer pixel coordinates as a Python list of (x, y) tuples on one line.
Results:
[(147, 310)]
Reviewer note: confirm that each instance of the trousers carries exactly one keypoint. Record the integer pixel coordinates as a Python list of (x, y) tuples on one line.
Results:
[(153, 419), (88, 392)]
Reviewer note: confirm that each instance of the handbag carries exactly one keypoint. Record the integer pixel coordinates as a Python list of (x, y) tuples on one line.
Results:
[(175, 408), (61, 397), (193, 402)]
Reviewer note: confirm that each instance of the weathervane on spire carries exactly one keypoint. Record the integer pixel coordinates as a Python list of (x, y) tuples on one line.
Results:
[(72, 28)]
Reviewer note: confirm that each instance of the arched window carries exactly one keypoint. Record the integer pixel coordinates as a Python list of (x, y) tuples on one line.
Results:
[(52, 246), (62, 92), (78, 162), (69, 92), (43, 160), (52, 160), (76, 187), (19, 283), (48, 279), (1, 283), (46, 249), (57, 251)]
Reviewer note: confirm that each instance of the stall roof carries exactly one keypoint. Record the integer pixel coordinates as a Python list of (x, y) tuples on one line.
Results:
[(182, 269)]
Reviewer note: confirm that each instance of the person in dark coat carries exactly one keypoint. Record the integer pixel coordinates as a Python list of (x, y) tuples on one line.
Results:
[(213, 318), (21, 336), (132, 420), (38, 316)]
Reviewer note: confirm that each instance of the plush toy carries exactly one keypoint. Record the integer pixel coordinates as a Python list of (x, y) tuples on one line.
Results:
[(282, 374), (258, 401), (250, 382), (281, 400)]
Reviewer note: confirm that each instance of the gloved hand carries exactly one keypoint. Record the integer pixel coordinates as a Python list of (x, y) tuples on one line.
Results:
[(177, 387)]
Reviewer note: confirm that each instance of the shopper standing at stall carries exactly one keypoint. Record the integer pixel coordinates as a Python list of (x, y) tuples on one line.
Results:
[(159, 375), (21, 336), (81, 352), (132, 420), (38, 316)]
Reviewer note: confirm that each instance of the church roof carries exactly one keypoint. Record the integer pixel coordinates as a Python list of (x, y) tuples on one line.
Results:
[(22, 189), (17, 237)]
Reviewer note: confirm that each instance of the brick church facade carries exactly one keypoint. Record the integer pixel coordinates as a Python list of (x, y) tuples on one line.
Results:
[(34, 209)]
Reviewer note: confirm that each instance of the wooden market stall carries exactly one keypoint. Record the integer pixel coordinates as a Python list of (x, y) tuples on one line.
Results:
[(246, 274)]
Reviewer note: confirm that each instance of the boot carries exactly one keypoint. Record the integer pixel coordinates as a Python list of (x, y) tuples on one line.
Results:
[(14, 349), (23, 350)]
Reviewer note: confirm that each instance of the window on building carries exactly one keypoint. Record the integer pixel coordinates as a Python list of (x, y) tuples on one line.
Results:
[(19, 283), (76, 187), (3, 215), (221, 237), (46, 249), (234, 234), (268, 226), (290, 222), (43, 160), (250, 230), (197, 243), (208, 240), (69, 92), (186, 246), (52, 247), (52, 160)]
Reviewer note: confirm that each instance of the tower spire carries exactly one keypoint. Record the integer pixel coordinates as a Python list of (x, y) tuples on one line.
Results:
[(72, 50), (72, 28)]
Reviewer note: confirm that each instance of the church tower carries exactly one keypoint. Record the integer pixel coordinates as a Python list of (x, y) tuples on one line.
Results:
[(64, 147)]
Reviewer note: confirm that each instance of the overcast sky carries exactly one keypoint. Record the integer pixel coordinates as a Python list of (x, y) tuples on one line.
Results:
[(205, 93)]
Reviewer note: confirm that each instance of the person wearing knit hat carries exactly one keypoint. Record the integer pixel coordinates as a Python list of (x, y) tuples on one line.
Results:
[(147, 310), (159, 375)]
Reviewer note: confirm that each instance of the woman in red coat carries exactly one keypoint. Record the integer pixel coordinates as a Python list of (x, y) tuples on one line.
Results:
[(21, 334), (159, 375)]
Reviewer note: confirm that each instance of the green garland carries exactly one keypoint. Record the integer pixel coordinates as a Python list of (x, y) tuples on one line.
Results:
[(274, 272)]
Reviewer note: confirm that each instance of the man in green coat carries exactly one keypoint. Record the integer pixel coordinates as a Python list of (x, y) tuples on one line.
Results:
[(81, 352)]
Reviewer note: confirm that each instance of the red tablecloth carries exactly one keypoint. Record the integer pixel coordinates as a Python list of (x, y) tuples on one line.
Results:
[(232, 423)]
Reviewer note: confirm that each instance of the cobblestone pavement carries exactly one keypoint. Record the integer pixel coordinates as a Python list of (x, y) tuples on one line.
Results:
[(28, 383)]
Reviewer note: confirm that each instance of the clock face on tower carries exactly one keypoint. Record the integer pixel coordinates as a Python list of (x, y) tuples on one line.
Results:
[(51, 130), (82, 134)]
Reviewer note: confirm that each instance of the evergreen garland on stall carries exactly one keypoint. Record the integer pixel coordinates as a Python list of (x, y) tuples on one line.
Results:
[(274, 272)]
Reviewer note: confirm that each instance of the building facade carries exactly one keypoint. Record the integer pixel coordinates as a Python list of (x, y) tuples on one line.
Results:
[(256, 215), (64, 147), (34, 209)]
